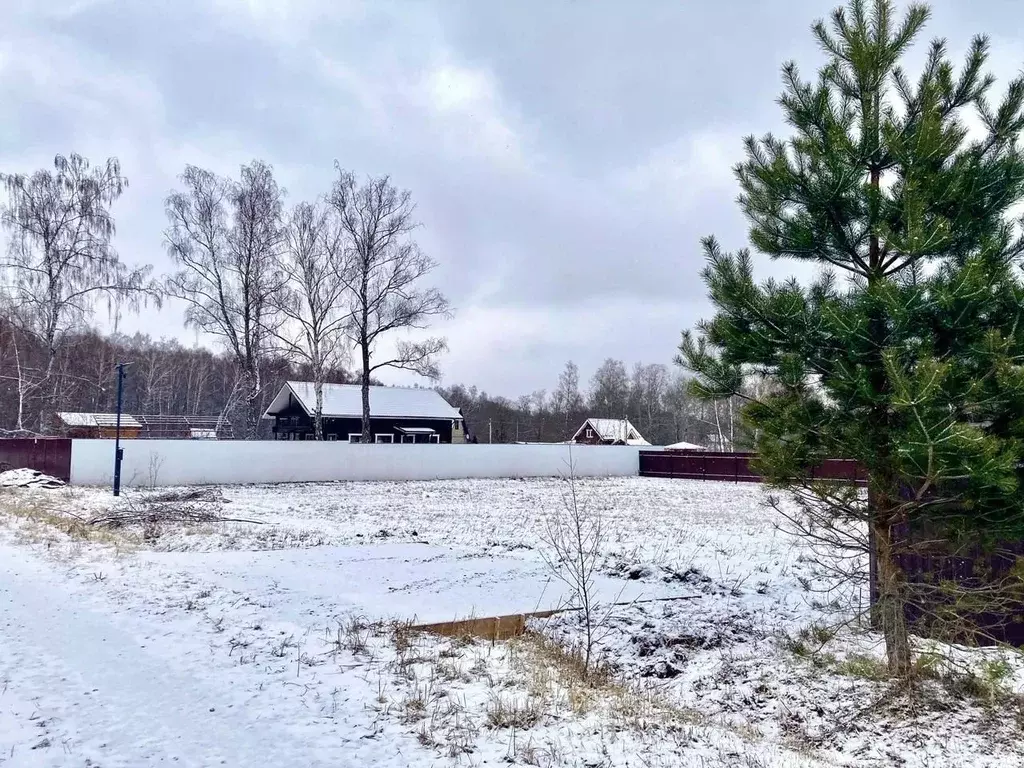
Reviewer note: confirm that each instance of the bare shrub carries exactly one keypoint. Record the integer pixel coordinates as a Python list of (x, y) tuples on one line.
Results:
[(574, 538)]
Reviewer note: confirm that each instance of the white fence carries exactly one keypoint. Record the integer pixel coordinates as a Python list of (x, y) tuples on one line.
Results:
[(202, 462)]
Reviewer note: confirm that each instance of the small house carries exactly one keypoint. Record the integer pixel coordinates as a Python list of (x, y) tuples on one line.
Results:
[(141, 426), (608, 432), (397, 414), (98, 425)]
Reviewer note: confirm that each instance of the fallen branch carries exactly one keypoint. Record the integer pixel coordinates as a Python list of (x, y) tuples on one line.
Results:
[(151, 517), (211, 495), (168, 508)]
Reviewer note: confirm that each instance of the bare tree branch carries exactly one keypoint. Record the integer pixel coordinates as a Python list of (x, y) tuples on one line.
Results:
[(60, 260), (226, 236), (382, 277), (312, 303)]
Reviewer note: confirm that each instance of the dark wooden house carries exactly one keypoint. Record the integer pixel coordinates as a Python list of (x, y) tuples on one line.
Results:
[(397, 414), (608, 432)]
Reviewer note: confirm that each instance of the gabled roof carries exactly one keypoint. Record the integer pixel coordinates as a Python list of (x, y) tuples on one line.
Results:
[(614, 430), (684, 446), (97, 420), (150, 422), (345, 401)]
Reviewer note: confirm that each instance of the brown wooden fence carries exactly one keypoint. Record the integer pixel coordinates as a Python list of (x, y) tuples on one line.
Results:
[(51, 455), (732, 467), (930, 562), (971, 568)]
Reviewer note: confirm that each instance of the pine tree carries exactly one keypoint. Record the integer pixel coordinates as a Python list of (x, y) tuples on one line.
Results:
[(906, 352)]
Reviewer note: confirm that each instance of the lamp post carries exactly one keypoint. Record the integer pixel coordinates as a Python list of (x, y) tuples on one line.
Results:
[(118, 452)]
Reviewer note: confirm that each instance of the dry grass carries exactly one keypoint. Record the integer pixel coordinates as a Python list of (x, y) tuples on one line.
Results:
[(531, 680), (559, 678), (557, 675), (509, 710), (46, 518), (354, 636), (402, 634), (413, 707)]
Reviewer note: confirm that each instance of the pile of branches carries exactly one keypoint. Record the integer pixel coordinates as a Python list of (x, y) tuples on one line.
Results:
[(190, 506)]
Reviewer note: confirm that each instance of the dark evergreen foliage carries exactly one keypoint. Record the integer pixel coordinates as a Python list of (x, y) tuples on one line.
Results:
[(905, 352)]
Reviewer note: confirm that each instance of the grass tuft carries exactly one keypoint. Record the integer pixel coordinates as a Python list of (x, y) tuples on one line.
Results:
[(864, 667), (511, 711)]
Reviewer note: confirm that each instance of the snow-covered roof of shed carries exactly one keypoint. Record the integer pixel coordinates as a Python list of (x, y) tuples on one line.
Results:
[(615, 430), (96, 419), (684, 446), (345, 400)]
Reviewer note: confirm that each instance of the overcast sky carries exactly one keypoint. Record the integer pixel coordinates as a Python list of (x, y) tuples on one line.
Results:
[(566, 156)]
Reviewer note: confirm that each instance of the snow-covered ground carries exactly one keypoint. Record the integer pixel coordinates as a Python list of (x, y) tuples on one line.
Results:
[(282, 640)]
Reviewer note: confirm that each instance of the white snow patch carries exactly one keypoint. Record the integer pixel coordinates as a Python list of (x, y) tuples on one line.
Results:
[(224, 641), (28, 478)]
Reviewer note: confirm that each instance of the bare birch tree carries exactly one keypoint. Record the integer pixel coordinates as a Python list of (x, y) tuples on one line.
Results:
[(383, 280), (647, 391), (61, 261), (21, 381), (312, 302), (567, 399), (679, 404), (226, 236), (609, 390)]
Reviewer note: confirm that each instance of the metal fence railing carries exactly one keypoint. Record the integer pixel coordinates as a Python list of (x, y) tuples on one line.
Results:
[(732, 467)]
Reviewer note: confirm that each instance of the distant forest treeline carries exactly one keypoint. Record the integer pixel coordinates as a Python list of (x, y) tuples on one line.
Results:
[(166, 377)]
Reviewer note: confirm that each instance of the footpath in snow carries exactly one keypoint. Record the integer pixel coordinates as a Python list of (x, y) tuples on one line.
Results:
[(108, 686)]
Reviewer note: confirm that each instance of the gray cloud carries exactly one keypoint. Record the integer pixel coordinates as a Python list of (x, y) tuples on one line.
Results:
[(566, 157)]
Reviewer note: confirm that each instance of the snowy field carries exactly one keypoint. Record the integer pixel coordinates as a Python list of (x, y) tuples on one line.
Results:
[(283, 639)]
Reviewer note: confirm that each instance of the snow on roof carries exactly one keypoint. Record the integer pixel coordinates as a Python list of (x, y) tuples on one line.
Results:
[(684, 446), (616, 430), (152, 424), (345, 400), (96, 419)]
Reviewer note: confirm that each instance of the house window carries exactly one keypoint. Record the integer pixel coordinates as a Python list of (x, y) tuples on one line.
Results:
[(435, 438), (355, 437), (384, 437), (590, 433)]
